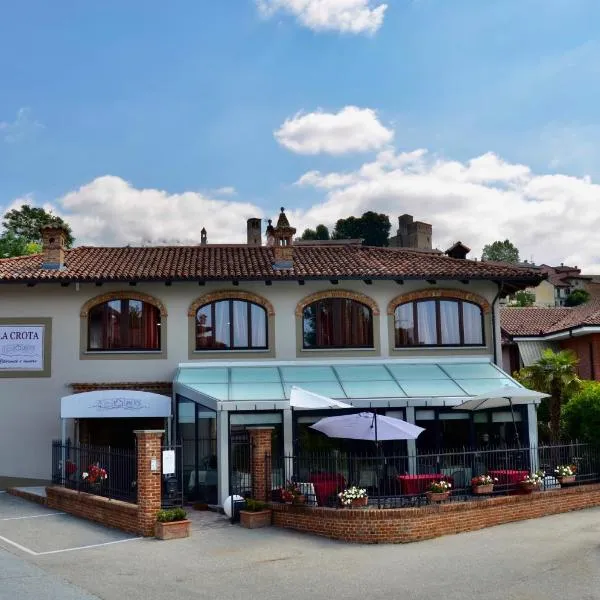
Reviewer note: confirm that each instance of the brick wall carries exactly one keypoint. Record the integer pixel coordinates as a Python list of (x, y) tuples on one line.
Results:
[(149, 484), (112, 513), (587, 348), (261, 442), (372, 526)]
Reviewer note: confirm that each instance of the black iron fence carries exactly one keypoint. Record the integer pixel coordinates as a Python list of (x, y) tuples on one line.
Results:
[(403, 480), (100, 470)]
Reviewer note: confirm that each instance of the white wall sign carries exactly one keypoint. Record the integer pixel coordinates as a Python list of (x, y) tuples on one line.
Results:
[(22, 347), (168, 462)]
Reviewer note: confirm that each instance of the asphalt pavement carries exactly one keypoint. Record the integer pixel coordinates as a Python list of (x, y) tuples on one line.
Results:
[(552, 557)]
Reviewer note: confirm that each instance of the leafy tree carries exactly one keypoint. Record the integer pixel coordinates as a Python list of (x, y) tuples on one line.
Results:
[(581, 415), (555, 374), (320, 233), (524, 298), (26, 223), (373, 228), (11, 245), (577, 297), (503, 251)]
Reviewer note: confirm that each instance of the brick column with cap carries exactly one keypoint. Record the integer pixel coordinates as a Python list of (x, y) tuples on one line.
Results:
[(260, 441), (149, 488)]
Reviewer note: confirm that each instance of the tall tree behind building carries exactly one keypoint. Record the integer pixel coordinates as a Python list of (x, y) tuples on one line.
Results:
[(503, 251)]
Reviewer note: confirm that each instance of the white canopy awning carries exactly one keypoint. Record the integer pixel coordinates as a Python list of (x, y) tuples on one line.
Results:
[(107, 404)]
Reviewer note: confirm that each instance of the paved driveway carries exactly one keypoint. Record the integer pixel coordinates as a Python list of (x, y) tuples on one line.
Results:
[(554, 557)]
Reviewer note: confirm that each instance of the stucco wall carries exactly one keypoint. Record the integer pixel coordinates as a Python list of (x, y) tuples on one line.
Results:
[(30, 408)]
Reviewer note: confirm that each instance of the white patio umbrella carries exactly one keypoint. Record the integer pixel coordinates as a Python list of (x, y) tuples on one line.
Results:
[(502, 397), (301, 398), (367, 426)]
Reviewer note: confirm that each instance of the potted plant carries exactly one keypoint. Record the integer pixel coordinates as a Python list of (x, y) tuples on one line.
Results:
[(94, 477), (565, 474), (354, 497), (532, 482), (296, 494), (438, 491), (255, 514), (172, 524), (482, 484)]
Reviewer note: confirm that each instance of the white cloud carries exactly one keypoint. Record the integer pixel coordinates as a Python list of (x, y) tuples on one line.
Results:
[(352, 129), (225, 191), (110, 211), (345, 16), (22, 127)]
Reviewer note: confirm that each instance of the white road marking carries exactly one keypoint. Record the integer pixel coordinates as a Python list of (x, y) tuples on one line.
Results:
[(22, 548), (33, 516), (90, 546)]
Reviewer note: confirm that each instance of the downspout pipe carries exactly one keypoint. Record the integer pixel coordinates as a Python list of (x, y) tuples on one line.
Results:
[(494, 302)]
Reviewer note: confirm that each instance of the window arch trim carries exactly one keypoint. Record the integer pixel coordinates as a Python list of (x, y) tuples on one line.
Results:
[(230, 295), (107, 297), (439, 294), (345, 294)]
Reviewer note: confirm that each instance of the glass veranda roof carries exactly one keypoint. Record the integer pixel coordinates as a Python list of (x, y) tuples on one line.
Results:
[(345, 381)]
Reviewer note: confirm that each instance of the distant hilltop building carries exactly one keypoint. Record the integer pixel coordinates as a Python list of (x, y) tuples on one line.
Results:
[(412, 234)]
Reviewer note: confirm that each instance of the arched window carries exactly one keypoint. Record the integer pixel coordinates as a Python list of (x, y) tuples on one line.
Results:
[(124, 324), (337, 323), (438, 322), (231, 325)]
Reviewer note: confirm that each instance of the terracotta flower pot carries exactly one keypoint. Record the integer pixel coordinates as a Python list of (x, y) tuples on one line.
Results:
[(481, 490), (300, 499), (528, 488), (173, 530), (358, 502), (255, 519), (566, 479), (437, 496)]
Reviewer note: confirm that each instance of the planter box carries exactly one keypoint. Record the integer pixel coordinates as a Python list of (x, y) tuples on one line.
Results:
[(253, 520), (437, 496), (566, 480), (481, 490), (301, 499), (173, 530), (359, 502), (528, 488)]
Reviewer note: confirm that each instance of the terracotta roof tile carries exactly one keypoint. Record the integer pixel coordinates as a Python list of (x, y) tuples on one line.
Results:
[(215, 262), (530, 321)]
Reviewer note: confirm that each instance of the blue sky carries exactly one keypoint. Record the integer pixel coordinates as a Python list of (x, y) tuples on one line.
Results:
[(186, 99)]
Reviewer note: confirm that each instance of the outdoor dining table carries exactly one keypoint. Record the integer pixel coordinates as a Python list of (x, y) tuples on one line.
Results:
[(419, 484), (508, 476)]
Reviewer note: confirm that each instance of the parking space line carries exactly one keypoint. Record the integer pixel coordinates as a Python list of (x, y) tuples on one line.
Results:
[(33, 516), (90, 546), (22, 548)]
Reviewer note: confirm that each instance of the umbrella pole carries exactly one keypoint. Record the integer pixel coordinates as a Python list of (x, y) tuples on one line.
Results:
[(512, 412), (380, 471)]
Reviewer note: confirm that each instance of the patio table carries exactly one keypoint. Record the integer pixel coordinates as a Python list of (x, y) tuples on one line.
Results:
[(508, 476), (419, 484), (326, 485)]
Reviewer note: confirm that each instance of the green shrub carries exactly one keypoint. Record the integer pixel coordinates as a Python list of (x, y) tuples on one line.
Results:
[(255, 505), (171, 514), (581, 414)]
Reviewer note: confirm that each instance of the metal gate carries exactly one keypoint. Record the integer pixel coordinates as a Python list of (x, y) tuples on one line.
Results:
[(172, 483), (240, 464)]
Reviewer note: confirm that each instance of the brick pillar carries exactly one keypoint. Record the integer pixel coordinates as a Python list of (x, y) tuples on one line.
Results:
[(149, 447), (260, 441)]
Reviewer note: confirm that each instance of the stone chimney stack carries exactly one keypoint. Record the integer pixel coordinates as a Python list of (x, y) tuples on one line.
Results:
[(203, 237), (253, 232), (54, 244), (283, 247)]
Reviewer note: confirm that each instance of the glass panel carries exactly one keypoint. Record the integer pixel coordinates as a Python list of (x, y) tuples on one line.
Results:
[(449, 323), (256, 391), (300, 374), (373, 389), (259, 326), (204, 328), (240, 324), (425, 415), (186, 412), (329, 389), (472, 323), (474, 387), (257, 418), (435, 387), (309, 326), (203, 375), (506, 417), (472, 370), (254, 374), (362, 373), (454, 416), (427, 322), (405, 325), (416, 371), (480, 417), (214, 390), (222, 326)]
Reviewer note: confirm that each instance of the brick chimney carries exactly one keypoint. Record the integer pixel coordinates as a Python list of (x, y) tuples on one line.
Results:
[(283, 247), (54, 244), (253, 232)]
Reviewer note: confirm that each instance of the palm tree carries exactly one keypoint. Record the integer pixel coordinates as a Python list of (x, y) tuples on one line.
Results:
[(555, 374)]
